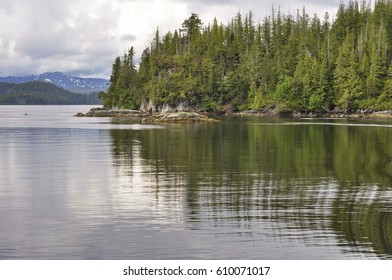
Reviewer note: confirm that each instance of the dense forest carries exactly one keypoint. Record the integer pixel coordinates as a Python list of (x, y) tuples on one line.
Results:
[(287, 62), (42, 93)]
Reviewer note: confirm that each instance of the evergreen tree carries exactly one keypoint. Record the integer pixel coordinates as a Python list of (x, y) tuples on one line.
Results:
[(347, 83), (377, 73), (385, 100), (111, 97)]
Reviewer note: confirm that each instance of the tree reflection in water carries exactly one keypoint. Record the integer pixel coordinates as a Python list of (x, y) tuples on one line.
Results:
[(307, 180)]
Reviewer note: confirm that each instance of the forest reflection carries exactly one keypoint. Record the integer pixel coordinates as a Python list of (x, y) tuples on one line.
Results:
[(306, 180)]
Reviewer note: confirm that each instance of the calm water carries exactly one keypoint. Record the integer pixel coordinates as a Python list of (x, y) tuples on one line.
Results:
[(244, 188)]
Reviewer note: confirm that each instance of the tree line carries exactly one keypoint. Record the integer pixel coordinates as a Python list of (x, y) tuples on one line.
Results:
[(42, 93), (288, 62)]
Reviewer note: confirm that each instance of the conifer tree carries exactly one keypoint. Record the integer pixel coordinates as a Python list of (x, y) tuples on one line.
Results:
[(347, 83), (385, 100), (377, 73)]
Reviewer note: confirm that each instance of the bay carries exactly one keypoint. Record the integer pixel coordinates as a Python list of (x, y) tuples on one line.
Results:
[(242, 188)]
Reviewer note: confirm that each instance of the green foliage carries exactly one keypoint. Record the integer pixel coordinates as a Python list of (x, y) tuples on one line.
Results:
[(293, 63), (123, 90), (285, 94), (348, 87)]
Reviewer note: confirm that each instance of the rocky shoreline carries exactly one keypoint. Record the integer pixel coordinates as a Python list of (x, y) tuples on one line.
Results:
[(177, 117), (112, 113), (191, 116), (358, 114), (169, 117)]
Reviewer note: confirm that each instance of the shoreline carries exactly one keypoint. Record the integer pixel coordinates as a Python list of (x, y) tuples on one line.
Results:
[(145, 117), (195, 116), (358, 114)]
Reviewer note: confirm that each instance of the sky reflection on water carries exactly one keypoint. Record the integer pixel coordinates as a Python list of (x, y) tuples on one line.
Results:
[(75, 188)]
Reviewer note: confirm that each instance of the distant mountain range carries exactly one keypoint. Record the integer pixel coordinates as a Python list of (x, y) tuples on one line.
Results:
[(43, 93), (75, 84)]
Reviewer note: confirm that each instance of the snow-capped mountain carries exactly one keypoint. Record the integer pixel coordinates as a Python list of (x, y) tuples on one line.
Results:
[(75, 84)]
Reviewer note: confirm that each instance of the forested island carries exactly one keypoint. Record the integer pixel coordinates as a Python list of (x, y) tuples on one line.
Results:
[(285, 62), (43, 93)]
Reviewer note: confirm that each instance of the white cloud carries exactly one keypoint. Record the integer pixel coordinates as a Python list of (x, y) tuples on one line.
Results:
[(84, 36)]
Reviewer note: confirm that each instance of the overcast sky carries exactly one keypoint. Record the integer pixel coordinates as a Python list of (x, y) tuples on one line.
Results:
[(83, 37)]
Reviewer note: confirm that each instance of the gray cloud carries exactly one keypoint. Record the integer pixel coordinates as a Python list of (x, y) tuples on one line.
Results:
[(263, 8), (128, 37), (84, 36), (47, 35)]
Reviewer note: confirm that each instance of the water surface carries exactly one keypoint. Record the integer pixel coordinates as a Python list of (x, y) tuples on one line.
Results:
[(243, 188)]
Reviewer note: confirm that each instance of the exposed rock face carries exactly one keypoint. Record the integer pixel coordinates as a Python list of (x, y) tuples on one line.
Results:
[(149, 107), (177, 117)]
